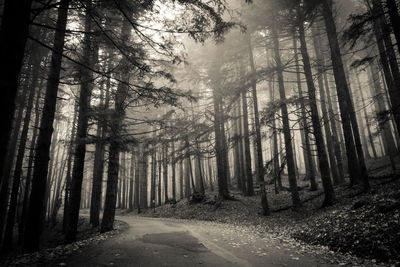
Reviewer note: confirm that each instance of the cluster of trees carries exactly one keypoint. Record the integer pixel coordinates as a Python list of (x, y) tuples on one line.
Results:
[(93, 118), (329, 96), (73, 75)]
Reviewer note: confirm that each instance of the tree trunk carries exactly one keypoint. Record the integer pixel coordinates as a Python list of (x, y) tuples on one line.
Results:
[(219, 147), (310, 174), (367, 125), (181, 179), (336, 130), (143, 178), (319, 140), (12, 208), (67, 192), (28, 180), (242, 170), (286, 127), (247, 155), (153, 177), (34, 224), (325, 115), (260, 161), (165, 171), (173, 171), (137, 178), (159, 178), (98, 165), (107, 223), (355, 170), (89, 59)]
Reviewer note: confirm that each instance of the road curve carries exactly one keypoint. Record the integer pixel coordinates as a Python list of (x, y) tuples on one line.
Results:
[(168, 242)]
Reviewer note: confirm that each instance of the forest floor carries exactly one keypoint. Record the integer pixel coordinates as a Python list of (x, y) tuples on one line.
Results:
[(360, 229)]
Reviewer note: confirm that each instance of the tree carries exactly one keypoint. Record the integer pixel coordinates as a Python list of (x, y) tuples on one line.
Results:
[(89, 59), (35, 214), (319, 140), (260, 166), (356, 169), (285, 120)]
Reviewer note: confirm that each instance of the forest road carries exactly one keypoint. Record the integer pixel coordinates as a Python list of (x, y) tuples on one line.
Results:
[(170, 242)]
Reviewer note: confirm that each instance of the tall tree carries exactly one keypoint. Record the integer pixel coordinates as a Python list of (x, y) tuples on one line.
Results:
[(88, 59), (285, 120), (319, 140), (353, 157), (260, 162), (35, 215)]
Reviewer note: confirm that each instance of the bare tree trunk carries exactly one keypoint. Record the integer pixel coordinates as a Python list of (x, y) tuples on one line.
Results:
[(28, 180), (242, 170), (98, 165), (107, 223), (89, 59), (165, 171), (12, 208), (173, 178), (260, 161), (367, 125), (137, 178), (325, 115), (355, 170), (181, 178), (310, 174), (286, 127), (159, 177), (246, 140), (319, 140), (143, 177), (219, 147), (34, 224), (69, 167), (153, 177)]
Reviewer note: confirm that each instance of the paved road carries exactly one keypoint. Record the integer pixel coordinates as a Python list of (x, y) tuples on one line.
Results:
[(169, 242)]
